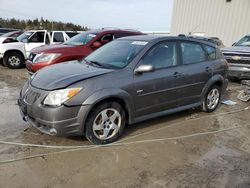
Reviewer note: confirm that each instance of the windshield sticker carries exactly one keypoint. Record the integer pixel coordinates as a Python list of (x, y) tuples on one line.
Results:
[(142, 43)]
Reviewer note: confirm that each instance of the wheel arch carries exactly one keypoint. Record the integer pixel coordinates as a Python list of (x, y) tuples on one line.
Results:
[(14, 50), (108, 95), (215, 80)]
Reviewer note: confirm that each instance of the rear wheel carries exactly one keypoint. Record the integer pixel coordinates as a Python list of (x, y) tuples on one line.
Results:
[(105, 123), (212, 99), (13, 60), (1, 62)]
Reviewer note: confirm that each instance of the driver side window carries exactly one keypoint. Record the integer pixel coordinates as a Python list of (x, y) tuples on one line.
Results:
[(37, 37), (162, 55)]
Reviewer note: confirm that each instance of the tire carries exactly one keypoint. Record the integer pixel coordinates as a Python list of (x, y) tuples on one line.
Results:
[(212, 99), (102, 126), (1, 63), (13, 60)]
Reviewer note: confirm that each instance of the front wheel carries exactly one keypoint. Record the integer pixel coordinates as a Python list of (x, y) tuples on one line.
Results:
[(212, 99), (13, 60), (105, 123)]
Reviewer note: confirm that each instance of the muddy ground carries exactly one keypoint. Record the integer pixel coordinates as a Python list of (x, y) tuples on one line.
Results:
[(187, 149)]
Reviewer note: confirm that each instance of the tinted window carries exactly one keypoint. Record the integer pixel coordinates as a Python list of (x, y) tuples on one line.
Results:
[(161, 56), (211, 51), (37, 37), (192, 53), (58, 37), (119, 35)]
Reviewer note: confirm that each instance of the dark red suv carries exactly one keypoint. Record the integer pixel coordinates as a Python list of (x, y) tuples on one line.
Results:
[(75, 48)]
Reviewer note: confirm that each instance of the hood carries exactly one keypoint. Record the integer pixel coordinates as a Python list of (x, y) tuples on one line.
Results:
[(53, 48), (13, 45), (2, 39), (64, 74), (242, 49)]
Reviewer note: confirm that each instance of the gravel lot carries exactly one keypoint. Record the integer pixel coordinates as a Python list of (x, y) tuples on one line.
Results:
[(188, 149)]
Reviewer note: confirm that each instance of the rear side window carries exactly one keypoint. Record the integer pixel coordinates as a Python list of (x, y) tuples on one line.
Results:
[(58, 37), (192, 53), (211, 52), (119, 35)]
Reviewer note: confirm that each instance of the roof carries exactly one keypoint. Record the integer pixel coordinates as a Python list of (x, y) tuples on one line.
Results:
[(112, 29), (159, 38)]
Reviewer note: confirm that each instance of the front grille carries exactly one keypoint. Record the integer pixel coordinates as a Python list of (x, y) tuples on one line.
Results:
[(247, 55), (31, 96), (238, 61), (237, 57)]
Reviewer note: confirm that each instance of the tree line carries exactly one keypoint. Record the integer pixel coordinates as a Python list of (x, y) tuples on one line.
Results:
[(39, 24)]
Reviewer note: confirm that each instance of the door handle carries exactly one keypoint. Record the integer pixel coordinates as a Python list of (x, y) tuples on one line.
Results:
[(208, 69), (177, 74)]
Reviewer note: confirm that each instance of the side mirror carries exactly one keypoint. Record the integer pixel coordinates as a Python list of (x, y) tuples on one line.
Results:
[(144, 68), (25, 40), (97, 44)]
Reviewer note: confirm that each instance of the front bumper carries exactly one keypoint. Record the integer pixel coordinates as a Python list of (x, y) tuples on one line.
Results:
[(239, 71), (59, 121)]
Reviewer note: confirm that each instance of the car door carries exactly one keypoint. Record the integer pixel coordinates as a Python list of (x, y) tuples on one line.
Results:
[(35, 40), (195, 70), (158, 90)]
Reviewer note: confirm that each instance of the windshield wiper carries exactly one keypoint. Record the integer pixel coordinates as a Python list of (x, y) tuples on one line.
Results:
[(95, 63)]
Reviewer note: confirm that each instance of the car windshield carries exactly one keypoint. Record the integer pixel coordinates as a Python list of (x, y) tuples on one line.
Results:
[(80, 39), (117, 54), (23, 36), (245, 41)]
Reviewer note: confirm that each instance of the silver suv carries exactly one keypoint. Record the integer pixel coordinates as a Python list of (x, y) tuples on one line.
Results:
[(129, 80)]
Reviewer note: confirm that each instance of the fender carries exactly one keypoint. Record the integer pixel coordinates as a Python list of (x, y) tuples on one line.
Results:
[(108, 93), (112, 93), (13, 46), (214, 79)]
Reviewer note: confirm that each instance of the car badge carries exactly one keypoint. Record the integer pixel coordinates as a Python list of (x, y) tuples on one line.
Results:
[(236, 58)]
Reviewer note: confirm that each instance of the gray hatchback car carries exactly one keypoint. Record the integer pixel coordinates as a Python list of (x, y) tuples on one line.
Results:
[(129, 80)]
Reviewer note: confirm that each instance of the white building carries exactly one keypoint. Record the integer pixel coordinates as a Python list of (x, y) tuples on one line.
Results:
[(227, 19)]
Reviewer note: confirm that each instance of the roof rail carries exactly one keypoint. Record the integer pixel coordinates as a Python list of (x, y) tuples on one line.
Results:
[(110, 28), (182, 35), (117, 28)]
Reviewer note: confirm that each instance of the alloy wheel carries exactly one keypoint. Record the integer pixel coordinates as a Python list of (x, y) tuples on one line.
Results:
[(107, 124)]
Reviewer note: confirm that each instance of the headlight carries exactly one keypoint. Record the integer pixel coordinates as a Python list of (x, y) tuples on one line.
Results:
[(45, 57), (58, 97)]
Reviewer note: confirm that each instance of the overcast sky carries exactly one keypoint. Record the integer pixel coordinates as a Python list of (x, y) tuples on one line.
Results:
[(145, 15)]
